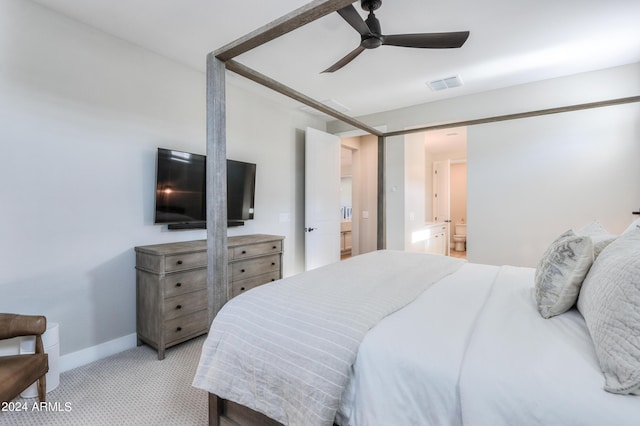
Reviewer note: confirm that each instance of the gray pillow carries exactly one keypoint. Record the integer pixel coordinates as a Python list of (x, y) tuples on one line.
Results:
[(610, 303), (560, 273)]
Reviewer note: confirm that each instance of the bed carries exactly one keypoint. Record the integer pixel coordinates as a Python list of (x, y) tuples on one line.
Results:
[(437, 341)]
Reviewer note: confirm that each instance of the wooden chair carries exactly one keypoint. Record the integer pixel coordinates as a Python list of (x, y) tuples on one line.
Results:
[(18, 372)]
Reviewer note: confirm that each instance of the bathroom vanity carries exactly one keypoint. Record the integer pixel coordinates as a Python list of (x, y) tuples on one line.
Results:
[(431, 238), (345, 238)]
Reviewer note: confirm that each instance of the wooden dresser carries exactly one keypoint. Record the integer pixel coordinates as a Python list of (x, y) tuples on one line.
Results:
[(253, 260), (171, 284)]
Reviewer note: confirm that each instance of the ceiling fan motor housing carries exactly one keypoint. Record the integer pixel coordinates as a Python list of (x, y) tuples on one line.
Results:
[(370, 5), (370, 42), (373, 39)]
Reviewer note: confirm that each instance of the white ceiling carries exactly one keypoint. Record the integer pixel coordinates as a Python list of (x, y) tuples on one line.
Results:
[(511, 42)]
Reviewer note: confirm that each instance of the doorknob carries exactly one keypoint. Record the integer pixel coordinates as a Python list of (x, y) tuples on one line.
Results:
[(309, 229)]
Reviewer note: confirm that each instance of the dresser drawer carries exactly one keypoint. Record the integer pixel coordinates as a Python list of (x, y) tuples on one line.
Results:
[(181, 262), (185, 304), (185, 282), (252, 267), (252, 250), (185, 326), (239, 287)]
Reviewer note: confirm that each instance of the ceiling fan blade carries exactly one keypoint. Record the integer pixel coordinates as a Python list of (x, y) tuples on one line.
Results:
[(351, 15), (427, 41), (344, 61)]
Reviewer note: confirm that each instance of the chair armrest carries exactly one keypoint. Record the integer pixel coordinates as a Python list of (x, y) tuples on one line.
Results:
[(13, 325)]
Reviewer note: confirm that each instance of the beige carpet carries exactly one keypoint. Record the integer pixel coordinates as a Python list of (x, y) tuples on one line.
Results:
[(129, 388)]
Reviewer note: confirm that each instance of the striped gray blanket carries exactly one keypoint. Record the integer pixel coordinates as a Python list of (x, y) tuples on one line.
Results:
[(285, 349)]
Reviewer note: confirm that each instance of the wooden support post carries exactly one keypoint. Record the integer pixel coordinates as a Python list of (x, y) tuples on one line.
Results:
[(215, 410), (382, 207), (216, 186)]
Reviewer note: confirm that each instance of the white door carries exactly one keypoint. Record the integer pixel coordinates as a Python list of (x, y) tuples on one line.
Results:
[(322, 199), (442, 197)]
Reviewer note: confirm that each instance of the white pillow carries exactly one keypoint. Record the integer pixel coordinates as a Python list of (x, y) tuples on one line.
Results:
[(610, 303), (633, 226), (601, 237), (560, 273)]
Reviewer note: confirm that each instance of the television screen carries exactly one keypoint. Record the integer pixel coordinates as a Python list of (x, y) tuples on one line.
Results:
[(180, 187), (181, 199), (241, 182)]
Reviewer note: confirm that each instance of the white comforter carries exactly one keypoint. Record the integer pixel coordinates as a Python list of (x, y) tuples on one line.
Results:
[(406, 371), (473, 350), (285, 349)]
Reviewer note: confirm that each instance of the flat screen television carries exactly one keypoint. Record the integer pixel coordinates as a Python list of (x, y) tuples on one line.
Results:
[(181, 190), (241, 186)]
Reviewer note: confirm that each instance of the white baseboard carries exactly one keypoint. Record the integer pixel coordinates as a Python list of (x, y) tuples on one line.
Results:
[(94, 353)]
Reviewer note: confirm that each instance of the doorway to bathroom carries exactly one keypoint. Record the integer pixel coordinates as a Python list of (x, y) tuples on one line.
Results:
[(359, 194), (433, 201), (446, 198)]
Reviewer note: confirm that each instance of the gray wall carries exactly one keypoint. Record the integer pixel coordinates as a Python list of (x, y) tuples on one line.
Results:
[(81, 116), (530, 179)]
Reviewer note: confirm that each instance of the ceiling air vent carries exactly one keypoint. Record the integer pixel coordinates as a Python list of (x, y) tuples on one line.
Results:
[(445, 83)]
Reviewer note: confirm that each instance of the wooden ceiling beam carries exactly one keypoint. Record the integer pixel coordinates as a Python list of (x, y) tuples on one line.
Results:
[(296, 19), (517, 116), (272, 84)]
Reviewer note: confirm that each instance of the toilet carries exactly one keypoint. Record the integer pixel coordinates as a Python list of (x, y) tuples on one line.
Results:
[(460, 237)]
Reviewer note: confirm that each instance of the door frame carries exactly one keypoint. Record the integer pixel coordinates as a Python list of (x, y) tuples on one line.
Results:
[(355, 197), (442, 190)]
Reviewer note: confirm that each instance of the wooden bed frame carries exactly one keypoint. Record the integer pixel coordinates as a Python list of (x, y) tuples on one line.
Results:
[(227, 413)]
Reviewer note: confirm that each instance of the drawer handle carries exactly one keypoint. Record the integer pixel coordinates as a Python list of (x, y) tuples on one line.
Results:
[(273, 279), (273, 263), (275, 247), (179, 262), (241, 270), (178, 284), (179, 307), (241, 288), (178, 328), (244, 252)]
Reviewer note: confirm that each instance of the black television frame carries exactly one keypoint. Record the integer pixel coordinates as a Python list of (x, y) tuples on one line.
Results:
[(185, 172), (248, 185)]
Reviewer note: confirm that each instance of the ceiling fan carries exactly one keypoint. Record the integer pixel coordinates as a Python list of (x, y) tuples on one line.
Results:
[(372, 37)]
